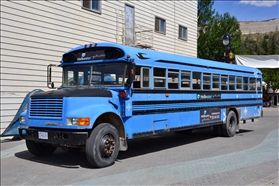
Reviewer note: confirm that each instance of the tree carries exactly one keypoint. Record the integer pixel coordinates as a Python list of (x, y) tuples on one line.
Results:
[(273, 46), (205, 12), (210, 44), (271, 77), (265, 45)]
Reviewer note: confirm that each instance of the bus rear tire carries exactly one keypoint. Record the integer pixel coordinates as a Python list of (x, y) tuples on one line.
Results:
[(39, 149), (229, 128), (102, 147)]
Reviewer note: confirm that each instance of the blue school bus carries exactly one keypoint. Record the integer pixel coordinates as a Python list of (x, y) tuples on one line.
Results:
[(112, 93)]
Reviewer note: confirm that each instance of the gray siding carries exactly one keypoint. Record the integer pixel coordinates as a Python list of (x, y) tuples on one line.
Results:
[(36, 33)]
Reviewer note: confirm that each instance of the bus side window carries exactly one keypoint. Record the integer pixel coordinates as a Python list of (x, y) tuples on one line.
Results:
[(145, 77), (245, 83), (224, 82), (159, 78), (252, 83), (196, 81), (185, 80), (142, 77), (239, 83), (216, 82), (136, 82), (206, 81), (173, 79), (259, 85), (232, 82)]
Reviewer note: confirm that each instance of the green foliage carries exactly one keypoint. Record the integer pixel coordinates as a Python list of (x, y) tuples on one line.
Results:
[(271, 77), (260, 44), (210, 44), (205, 12), (213, 26)]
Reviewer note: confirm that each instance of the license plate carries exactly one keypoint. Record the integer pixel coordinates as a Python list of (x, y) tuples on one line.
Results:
[(43, 135)]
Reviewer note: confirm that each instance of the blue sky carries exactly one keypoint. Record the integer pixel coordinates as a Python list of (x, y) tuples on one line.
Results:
[(249, 10)]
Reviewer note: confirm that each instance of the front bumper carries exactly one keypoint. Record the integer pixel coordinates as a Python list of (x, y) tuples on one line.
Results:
[(54, 136)]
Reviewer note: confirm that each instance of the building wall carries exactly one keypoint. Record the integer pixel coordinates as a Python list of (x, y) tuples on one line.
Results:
[(36, 33)]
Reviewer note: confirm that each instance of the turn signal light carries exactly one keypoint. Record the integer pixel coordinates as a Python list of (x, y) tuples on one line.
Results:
[(83, 121), (122, 94)]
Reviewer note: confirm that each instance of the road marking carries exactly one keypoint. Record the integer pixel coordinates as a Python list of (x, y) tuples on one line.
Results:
[(179, 172)]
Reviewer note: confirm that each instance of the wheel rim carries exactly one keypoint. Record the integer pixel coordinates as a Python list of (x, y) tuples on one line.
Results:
[(107, 146)]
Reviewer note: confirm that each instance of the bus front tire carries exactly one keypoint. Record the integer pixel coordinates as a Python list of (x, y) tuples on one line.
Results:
[(39, 149), (229, 128), (102, 146)]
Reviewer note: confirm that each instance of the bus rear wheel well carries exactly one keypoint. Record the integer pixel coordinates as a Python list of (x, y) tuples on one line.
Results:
[(235, 111)]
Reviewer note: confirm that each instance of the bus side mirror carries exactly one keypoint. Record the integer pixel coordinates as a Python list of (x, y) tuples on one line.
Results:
[(131, 71), (50, 84)]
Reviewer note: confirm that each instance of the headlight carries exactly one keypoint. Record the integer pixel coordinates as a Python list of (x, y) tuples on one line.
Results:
[(78, 121), (22, 119), (72, 121)]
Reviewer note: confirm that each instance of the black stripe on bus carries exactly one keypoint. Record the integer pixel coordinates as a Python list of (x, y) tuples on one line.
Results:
[(192, 101), (149, 133), (162, 111), (203, 66), (164, 91)]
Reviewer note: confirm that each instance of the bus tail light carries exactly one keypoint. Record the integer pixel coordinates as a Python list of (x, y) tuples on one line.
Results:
[(122, 94)]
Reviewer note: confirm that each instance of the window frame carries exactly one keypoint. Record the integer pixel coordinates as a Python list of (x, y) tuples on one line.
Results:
[(206, 81), (142, 77), (232, 82), (159, 77), (196, 80), (180, 34), (224, 83), (216, 81), (159, 25), (183, 79), (90, 8), (172, 72)]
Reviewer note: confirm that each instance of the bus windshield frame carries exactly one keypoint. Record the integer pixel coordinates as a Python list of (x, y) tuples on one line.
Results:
[(96, 74)]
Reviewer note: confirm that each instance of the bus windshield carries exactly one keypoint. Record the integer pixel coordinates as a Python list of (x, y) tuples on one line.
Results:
[(97, 74)]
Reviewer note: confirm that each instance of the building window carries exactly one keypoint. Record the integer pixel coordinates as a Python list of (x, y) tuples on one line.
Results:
[(94, 5), (160, 25), (182, 33)]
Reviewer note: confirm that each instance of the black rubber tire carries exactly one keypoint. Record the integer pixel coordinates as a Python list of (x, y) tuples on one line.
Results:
[(39, 149), (268, 104), (96, 152), (229, 128)]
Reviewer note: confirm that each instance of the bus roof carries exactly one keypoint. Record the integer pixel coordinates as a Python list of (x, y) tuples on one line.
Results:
[(148, 56)]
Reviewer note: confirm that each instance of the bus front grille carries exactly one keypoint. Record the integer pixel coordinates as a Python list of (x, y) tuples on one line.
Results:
[(46, 107)]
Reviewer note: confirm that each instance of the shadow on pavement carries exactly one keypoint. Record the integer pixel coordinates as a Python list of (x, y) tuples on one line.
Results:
[(137, 147)]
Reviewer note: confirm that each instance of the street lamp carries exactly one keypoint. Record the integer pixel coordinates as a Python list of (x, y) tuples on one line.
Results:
[(226, 43)]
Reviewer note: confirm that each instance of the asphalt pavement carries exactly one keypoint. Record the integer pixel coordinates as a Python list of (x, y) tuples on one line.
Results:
[(249, 158)]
